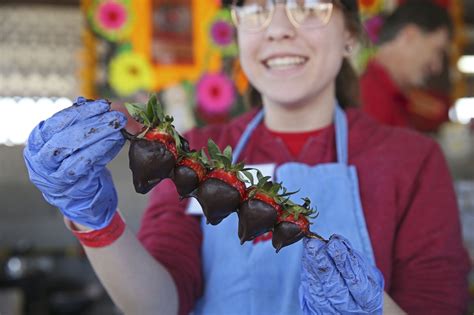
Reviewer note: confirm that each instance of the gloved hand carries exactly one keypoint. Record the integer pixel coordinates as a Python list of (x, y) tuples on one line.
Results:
[(66, 157), (336, 279)]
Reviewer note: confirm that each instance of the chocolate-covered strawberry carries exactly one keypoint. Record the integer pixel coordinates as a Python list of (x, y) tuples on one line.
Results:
[(293, 224), (222, 189), (153, 151), (189, 172), (259, 212)]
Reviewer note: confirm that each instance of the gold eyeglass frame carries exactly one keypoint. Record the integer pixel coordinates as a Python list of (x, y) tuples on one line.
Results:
[(235, 19)]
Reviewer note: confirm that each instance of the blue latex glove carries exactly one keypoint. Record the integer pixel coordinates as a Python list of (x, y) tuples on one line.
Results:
[(337, 279), (66, 157)]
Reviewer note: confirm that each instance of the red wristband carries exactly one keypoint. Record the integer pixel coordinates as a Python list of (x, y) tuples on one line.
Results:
[(102, 237)]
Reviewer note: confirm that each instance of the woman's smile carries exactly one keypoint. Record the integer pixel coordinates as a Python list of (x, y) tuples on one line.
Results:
[(284, 63)]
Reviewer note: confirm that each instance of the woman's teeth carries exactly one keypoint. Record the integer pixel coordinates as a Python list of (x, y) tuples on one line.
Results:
[(284, 62)]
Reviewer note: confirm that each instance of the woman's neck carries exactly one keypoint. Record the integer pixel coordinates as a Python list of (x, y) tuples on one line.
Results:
[(304, 116)]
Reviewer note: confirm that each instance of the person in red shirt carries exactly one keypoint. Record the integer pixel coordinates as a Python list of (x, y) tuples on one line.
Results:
[(386, 192), (411, 47)]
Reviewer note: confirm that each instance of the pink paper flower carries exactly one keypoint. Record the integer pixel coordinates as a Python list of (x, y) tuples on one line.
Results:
[(215, 93), (111, 15), (373, 26), (222, 33)]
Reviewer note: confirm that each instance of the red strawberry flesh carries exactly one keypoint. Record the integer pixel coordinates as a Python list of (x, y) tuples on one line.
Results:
[(230, 178), (163, 137)]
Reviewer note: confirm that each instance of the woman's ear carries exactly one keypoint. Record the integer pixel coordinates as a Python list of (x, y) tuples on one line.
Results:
[(350, 45)]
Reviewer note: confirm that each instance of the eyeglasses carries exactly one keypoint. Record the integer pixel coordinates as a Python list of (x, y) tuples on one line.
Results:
[(256, 15)]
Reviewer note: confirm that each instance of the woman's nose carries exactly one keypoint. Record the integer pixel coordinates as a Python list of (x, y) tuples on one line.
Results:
[(280, 26)]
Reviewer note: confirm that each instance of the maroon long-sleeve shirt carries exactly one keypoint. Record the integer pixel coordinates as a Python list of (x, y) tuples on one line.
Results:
[(407, 197), (382, 98)]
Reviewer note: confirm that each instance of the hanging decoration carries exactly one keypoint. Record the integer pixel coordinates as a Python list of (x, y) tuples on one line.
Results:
[(215, 93), (129, 73), (111, 19), (222, 33)]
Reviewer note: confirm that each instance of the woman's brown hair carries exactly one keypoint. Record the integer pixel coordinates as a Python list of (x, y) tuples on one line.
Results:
[(347, 80)]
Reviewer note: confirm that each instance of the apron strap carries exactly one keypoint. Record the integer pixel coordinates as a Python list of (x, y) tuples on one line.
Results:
[(246, 135), (341, 135)]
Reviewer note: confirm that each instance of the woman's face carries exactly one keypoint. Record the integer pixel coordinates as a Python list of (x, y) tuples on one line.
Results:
[(294, 65)]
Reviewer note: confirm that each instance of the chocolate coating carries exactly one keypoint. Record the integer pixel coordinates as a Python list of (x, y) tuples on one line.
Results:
[(150, 162), (255, 218), (286, 233), (218, 199), (185, 179)]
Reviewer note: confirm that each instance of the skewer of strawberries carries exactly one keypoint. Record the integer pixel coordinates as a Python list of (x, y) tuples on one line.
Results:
[(223, 189), (158, 152), (154, 150)]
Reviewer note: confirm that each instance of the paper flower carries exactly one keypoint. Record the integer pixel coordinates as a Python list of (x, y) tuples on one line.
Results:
[(369, 8), (111, 19), (215, 93), (373, 26), (222, 33), (129, 73)]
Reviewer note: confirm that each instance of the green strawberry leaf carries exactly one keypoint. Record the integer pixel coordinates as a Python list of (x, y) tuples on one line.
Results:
[(288, 193), (275, 188), (204, 157), (249, 176), (213, 149), (225, 160), (145, 120), (228, 152), (177, 139), (137, 111), (155, 110)]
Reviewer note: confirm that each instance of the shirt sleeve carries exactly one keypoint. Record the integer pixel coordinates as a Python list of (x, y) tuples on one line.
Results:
[(174, 239), (431, 265)]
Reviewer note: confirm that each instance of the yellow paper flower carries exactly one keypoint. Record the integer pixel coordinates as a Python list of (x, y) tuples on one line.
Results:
[(129, 73)]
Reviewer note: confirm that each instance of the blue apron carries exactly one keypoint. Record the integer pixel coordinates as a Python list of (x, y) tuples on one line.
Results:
[(251, 279)]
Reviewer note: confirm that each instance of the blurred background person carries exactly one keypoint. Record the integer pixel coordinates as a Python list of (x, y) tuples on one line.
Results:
[(412, 45)]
